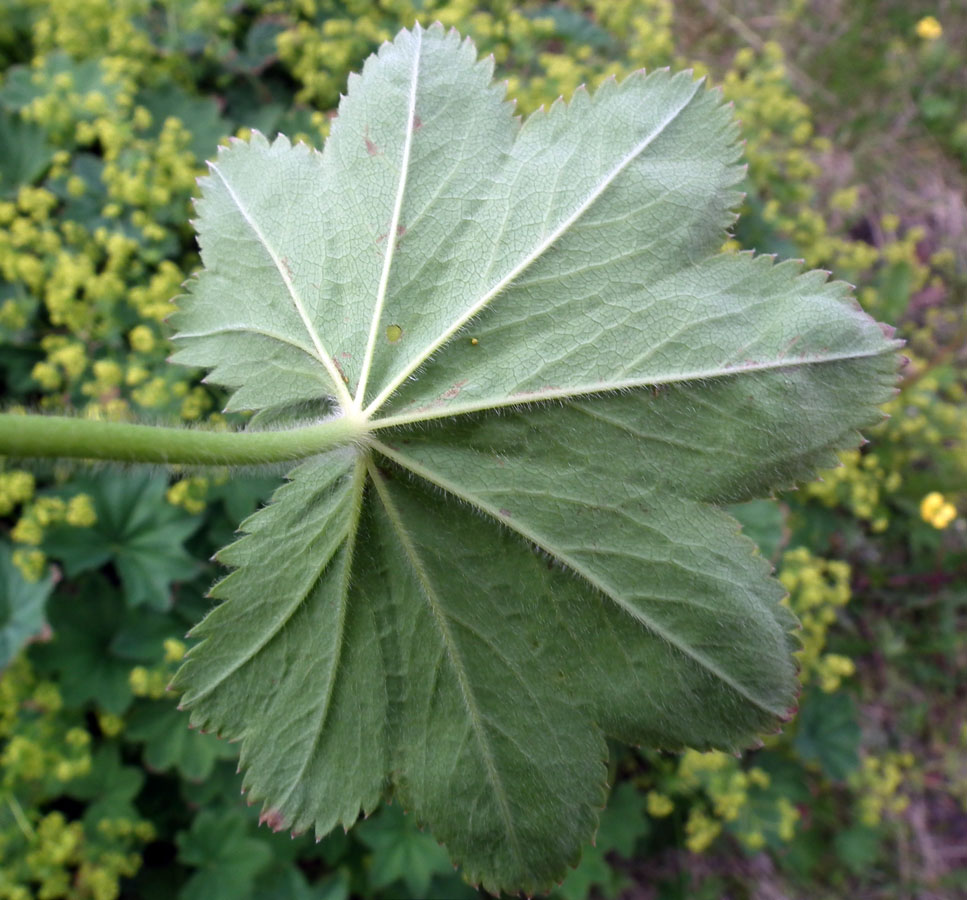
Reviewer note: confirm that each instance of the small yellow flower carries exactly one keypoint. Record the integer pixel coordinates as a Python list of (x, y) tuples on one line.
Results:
[(109, 723), (174, 650), (929, 29), (701, 830), (937, 511), (80, 511), (141, 338), (659, 805), (30, 563)]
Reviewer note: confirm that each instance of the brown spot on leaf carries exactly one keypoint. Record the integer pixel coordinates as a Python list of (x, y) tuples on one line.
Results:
[(335, 362), (455, 390), (505, 512), (371, 148), (417, 123)]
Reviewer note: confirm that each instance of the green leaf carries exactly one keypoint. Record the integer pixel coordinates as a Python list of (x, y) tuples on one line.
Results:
[(168, 744), (200, 115), (623, 824), (22, 606), (24, 151), (764, 522), (23, 84), (96, 642), (84, 626), (400, 851), (552, 383), (110, 787), (226, 860), (291, 884), (594, 872), (828, 733), (137, 531), (858, 847)]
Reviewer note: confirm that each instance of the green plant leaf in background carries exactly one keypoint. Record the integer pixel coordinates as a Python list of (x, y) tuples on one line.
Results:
[(623, 824), (401, 851), (137, 531), (225, 858), (553, 383), (764, 522), (828, 733), (24, 151), (98, 639), (167, 744), (23, 606), (110, 787)]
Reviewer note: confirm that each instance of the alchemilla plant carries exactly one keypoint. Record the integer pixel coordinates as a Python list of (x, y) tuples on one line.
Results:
[(521, 382)]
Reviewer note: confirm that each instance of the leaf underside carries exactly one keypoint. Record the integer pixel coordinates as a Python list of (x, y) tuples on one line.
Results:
[(524, 551)]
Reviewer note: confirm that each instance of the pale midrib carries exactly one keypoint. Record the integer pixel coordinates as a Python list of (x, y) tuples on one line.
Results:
[(275, 628), (322, 354), (391, 237), (576, 567), (453, 654), (248, 329), (358, 486), (444, 411), (531, 258)]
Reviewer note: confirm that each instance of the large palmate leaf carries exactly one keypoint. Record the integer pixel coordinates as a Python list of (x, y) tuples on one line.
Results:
[(552, 384)]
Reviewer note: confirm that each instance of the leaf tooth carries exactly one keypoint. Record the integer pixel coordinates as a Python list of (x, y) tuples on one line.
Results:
[(273, 818)]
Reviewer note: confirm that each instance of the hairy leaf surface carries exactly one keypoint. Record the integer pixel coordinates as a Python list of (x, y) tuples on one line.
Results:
[(555, 385)]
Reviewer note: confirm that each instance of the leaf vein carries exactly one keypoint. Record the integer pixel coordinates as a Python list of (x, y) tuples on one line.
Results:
[(542, 247), (321, 353), (582, 571)]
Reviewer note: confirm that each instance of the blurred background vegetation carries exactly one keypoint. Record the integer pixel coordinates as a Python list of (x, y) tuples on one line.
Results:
[(854, 114)]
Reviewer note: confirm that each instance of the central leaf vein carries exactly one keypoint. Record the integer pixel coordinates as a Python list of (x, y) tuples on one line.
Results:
[(591, 578), (338, 634), (474, 715), (321, 353), (440, 409), (538, 251), (391, 238)]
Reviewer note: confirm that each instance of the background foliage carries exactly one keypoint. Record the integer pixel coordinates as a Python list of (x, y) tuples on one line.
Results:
[(855, 127)]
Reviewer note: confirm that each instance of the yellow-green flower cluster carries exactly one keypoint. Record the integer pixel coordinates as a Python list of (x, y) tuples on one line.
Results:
[(42, 749), (878, 786), (717, 795), (189, 494), (46, 511), (40, 514), (153, 682), (161, 170), (861, 484), (319, 57), (927, 431), (818, 588), (936, 510), (16, 487), (55, 858), (37, 746)]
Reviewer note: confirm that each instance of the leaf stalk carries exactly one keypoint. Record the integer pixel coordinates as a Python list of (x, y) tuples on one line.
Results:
[(36, 436)]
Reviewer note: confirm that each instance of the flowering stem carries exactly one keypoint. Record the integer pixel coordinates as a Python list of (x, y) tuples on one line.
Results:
[(63, 437)]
